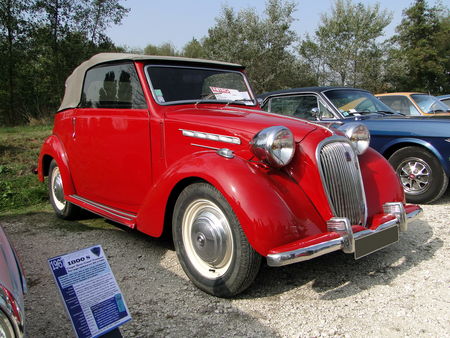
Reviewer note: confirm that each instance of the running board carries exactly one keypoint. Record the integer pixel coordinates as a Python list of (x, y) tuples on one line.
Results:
[(126, 218)]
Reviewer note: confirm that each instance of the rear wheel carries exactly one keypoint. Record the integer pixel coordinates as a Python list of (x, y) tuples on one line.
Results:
[(63, 208), (421, 174), (210, 243)]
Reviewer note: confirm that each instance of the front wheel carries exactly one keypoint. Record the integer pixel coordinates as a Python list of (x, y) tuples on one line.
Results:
[(421, 174), (210, 243), (63, 208)]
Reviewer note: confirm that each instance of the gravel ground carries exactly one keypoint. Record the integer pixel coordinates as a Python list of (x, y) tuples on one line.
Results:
[(400, 291)]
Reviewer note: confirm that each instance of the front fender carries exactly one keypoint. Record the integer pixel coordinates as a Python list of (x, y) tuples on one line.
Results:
[(381, 183), (53, 148), (272, 208)]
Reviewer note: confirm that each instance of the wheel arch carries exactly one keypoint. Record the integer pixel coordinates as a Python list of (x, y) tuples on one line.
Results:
[(390, 148), (53, 149), (259, 204), (172, 199), (46, 160)]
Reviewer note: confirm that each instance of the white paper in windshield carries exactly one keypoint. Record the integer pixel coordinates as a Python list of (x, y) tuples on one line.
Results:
[(230, 94)]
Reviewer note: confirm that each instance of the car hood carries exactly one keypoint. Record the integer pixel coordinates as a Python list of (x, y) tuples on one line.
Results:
[(239, 122), (409, 126), (399, 125)]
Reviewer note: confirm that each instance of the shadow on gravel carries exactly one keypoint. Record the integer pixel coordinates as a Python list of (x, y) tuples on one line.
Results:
[(338, 275), (162, 301), (444, 200)]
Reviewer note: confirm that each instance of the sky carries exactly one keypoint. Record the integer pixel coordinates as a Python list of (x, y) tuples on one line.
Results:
[(178, 21)]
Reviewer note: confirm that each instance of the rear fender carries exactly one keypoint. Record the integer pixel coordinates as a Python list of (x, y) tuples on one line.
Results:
[(54, 149), (271, 208)]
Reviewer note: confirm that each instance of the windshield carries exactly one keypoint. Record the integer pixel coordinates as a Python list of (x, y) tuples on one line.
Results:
[(355, 102), (174, 85), (430, 104)]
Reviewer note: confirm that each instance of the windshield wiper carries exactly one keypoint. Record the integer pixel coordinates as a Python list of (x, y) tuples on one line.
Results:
[(388, 112), (226, 102), (364, 112), (210, 101), (438, 111), (240, 101)]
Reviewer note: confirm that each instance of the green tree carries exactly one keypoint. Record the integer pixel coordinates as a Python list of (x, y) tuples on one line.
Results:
[(344, 49), (420, 58), (13, 28), (167, 49), (263, 44), (41, 42), (95, 16), (193, 49)]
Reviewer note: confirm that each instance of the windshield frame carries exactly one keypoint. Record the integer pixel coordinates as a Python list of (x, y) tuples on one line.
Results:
[(197, 101), (343, 116)]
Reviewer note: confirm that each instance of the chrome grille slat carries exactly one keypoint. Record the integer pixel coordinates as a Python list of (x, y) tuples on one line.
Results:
[(342, 181)]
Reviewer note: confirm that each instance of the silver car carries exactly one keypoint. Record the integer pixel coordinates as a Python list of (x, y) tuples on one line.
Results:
[(12, 289)]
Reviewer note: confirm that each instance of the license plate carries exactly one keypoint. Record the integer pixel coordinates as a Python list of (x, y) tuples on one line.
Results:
[(376, 241)]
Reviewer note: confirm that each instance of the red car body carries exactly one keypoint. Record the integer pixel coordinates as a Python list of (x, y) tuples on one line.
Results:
[(131, 165)]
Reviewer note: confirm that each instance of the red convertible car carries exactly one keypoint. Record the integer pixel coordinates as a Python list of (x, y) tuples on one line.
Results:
[(163, 142)]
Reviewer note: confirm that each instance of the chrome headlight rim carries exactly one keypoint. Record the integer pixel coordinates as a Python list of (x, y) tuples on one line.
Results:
[(274, 145), (359, 136)]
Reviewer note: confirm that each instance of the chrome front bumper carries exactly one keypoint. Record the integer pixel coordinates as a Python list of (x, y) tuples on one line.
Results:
[(360, 243)]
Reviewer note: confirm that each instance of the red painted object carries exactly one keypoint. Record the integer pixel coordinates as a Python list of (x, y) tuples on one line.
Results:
[(156, 142)]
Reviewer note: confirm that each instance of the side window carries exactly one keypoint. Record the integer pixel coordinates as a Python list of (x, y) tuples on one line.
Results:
[(284, 105), (412, 109), (324, 112), (112, 86), (302, 106), (401, 104)]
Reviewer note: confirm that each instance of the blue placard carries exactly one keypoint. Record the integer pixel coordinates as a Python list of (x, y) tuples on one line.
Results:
[(89, 291)]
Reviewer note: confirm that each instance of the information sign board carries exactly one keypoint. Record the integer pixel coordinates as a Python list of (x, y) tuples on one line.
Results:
[(89, 291)]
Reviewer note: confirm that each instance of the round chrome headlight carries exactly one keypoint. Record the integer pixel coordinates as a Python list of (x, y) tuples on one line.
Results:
[(274, 145), (359, 136)]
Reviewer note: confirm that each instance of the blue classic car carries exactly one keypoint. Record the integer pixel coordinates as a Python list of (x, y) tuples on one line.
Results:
[(418, 148)]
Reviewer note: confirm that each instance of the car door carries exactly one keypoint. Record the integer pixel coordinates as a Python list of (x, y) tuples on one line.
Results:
[(109, 154)]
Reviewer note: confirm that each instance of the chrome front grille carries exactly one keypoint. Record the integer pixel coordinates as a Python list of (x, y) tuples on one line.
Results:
[(341, 178)]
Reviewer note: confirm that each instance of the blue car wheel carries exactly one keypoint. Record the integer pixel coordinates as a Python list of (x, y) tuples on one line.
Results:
[(421, 175)]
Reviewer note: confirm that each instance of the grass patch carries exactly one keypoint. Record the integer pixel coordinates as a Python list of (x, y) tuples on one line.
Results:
[(22, 195), (19, 151)]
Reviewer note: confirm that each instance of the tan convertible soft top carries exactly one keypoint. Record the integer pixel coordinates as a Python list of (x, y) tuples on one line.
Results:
[(74, 83)]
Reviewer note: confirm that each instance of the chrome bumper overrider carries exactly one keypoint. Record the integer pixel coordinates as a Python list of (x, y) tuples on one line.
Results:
[(369, 240)]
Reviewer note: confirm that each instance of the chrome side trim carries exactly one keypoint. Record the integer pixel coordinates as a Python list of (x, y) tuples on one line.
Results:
[(316, 250), (211, 137), (202, 146), (115, 212)]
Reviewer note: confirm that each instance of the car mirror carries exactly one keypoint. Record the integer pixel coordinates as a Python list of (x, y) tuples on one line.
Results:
[(315, 112)]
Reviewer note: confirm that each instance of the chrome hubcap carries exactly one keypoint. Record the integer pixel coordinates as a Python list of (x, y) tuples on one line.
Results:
[(415, 175), (57, 189), (207, 238)]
